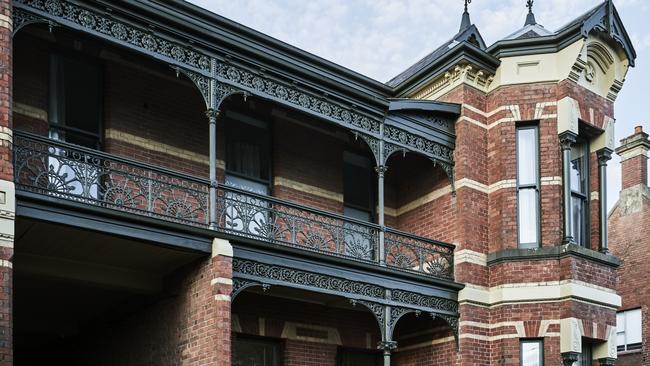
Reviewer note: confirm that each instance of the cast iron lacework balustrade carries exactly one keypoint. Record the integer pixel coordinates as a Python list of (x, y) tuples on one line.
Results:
[(76, 174), (73, 173)]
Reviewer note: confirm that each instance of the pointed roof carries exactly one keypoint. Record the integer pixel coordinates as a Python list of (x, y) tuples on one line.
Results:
[(530, 18), (468, 33), (530, 29), (533, 38)]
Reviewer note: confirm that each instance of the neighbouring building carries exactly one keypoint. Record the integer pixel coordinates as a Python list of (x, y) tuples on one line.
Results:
[(629, 233), (178, 189)]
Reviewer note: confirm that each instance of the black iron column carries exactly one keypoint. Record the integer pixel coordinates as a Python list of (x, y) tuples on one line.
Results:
[(567, 139), (381, 171), (212, 117), (387, 347), (214, 101), (604, 155)]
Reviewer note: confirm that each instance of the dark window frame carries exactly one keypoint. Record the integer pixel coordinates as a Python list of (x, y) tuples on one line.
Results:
[(278, 344), (630, 347), (231, 124), (534, 125), (372, 204), (540, 341), (341, 351), (583, 196), (55, 120)]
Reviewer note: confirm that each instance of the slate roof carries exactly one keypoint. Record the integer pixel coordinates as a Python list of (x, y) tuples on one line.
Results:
[(530, 30)]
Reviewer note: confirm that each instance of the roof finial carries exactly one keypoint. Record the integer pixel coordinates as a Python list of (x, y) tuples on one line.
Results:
[(465, 22), (530, 18)]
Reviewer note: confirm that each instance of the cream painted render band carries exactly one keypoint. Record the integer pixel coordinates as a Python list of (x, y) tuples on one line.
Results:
[(290, 331), (221, 281), (538, 291), (6, 22), (307, 188), (633, 153), (470, 256), (30, 111), (425, 344)]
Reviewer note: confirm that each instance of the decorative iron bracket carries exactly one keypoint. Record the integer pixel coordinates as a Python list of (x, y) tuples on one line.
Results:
[(239, 285)]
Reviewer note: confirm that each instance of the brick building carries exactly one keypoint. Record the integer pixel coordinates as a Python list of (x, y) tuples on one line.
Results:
[(178, 189), (629, 227)]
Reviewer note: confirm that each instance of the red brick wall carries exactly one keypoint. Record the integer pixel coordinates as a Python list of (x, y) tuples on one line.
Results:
[(188, 328), (629, 239), (31, 81), (353, 325), (441, 354), (309, 157), (6, 173), (299, 353), (634, 171), (411, 178), (155, 108)]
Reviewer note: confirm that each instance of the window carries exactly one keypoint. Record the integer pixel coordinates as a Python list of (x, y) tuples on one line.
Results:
[(75, 101), (355, 357), (628, 330), (579, 192), (532, 352), (248, 167), (248, 163), (585, 358), (357, 204), (528, 186), (357, 186), (255, 352)]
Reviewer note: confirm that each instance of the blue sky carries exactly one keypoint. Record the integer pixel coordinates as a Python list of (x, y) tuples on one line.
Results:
[(380, 38)]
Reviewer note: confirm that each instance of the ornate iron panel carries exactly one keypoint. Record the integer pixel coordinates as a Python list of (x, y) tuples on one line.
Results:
[(264, 218), (73, 173), (103, 24), (412, 253)]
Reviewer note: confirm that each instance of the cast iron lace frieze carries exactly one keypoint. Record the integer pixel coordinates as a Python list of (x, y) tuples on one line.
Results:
[(423, 301), (297, 98), (418, 143), (109, 27), (304, 278)]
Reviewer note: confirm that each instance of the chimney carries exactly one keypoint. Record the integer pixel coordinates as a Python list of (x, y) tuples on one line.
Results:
[(634, 158)]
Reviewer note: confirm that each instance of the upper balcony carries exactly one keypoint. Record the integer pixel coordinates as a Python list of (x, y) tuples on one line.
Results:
[(106, 128)]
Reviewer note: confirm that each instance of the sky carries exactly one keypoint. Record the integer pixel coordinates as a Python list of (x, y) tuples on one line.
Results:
[(381, 38)]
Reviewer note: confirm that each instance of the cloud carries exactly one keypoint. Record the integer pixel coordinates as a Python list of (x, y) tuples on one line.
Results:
[(380, 38)]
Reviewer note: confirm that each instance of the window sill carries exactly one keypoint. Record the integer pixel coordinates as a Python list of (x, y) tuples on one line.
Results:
[(632, 352), (556, 252)]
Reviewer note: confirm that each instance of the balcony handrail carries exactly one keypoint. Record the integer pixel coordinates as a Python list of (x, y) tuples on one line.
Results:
[(185, 176), (106, 156), (178, 197), (420, 238), (315, 210)]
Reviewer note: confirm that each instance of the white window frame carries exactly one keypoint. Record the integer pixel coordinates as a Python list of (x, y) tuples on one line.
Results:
[(540, 342), (534, 186), (631, 316)]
